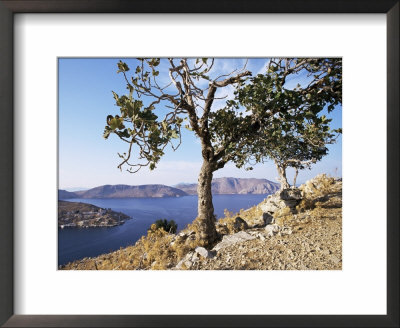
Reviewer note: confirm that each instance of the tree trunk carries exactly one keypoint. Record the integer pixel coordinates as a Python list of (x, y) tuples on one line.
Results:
[(295, 177), (282, 176), (207, 233)]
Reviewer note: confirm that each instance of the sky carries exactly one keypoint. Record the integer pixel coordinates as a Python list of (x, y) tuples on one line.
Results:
[(87, 160)]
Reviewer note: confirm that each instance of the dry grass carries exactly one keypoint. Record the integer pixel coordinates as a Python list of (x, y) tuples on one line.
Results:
[(284, 217), (320, 186)]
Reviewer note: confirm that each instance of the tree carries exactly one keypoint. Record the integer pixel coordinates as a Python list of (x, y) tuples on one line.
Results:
[(292, 132), (168, 226), (298, 146), (184, 99)]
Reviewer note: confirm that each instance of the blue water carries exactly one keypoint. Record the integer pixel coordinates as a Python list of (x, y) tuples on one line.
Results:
[(75, 243)]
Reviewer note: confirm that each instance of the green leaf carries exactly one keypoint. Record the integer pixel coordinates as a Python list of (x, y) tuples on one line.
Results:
[(174, 134), (122, 67), (116, 123), (107, 132)]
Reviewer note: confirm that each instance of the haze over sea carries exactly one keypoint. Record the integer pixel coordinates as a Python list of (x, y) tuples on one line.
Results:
[(75, 243)]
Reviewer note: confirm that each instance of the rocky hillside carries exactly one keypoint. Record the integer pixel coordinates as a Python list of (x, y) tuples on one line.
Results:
[(235, 186), (293, 229), (125, 191)]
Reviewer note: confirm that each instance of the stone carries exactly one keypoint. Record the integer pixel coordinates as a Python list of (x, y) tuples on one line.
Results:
[(267, 219), (204, 252), (240, 224), (272, 204), (187, 262), (291, 194), (272, 229), (285, 231), (290, 197), (229, 240)]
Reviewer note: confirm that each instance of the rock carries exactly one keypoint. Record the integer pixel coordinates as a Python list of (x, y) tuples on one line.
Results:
[(285, 231), (204, 252), (272, 204), (272, 229), (240, 224), (229, 240), (318, 184), (285, 198), (267, 218), (187, 261), (291, 194), (257, 234)]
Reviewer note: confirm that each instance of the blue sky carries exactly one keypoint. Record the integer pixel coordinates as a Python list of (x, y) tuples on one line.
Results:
[(87, 160)]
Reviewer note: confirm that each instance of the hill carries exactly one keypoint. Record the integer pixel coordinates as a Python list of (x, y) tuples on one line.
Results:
[(293, 229), (235, 186), (219, 186), (63, 194), (72, 214), (125, 191)]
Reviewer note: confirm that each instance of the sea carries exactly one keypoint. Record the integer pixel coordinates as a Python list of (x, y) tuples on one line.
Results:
[(77, 243)]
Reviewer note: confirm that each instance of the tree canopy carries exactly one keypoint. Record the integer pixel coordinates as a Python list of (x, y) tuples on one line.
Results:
[(266, 117), (292, 132)]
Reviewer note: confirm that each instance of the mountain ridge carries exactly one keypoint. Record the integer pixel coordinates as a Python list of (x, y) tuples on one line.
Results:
[(230, 185), (226, 185)]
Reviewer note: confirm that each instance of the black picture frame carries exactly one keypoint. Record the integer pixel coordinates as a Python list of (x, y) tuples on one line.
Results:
[(10, 7)]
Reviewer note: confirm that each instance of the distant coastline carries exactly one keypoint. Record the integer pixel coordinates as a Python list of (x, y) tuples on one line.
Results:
[(82, 215)]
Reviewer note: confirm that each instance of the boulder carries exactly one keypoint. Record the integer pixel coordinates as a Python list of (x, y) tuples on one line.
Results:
[(229, 240), (272, 204), (267, 218), (291, 194), (240, 224), (204, 252), (290, 197)]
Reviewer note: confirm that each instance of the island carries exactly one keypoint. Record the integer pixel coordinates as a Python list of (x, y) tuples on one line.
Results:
[(82, 215)]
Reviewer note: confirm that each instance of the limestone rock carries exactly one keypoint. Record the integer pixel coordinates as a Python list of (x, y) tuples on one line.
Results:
[(272, 204), (291, 194), (188, 261), (272, 229), (285, 198), (229, 240), (204, 252)]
